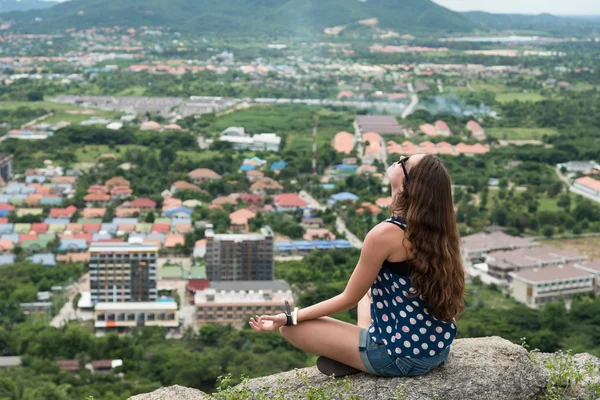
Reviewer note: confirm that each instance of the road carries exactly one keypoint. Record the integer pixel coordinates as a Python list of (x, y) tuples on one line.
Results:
[(562, 177), (439, 85), (414, 100), (340, 225), (67, 313)]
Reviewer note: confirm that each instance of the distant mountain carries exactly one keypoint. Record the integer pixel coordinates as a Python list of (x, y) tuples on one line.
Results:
[(23, 5), (544, 23), (244, 17)]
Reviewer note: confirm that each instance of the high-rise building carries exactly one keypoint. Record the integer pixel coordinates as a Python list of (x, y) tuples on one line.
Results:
[(239, 257), (123, 272), (6, 167)]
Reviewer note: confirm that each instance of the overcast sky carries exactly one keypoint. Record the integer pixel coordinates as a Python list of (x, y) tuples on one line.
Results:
[(562, 7)]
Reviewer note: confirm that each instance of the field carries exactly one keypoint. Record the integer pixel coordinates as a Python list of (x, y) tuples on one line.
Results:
[(587, 246), (503, 93), (62, 112), (519, 133)]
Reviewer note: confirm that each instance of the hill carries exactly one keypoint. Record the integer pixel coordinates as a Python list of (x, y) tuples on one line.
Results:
[(23, 5), (543, 23), (243, 17)]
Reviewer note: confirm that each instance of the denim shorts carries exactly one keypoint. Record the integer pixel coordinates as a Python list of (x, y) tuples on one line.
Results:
[(379, 363)]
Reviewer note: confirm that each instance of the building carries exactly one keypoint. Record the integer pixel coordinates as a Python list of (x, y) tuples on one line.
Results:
[(343, 142), (235, 302), (6, 167), (381, 124), (592, 267), (587, 187), (123, 272), (120, 317), (474, 247), (442, 128), (240, 140), (203, 174), (10, 362), (236, 257), (534, 287), (579, 166), (476, 130), (288, 202), (502, 263)]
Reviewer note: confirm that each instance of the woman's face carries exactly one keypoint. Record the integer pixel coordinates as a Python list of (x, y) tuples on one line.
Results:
[(395, 173)]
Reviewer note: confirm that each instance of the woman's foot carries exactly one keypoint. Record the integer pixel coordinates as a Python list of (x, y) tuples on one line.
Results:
[(331, 367)]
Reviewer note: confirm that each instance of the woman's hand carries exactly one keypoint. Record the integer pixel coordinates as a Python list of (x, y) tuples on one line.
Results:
[(268, 323)]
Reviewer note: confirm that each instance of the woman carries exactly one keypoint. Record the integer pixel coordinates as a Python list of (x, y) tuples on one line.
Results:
[(408, 284)]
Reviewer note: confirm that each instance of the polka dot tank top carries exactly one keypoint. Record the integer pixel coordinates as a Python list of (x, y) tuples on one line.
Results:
[(401, 322)]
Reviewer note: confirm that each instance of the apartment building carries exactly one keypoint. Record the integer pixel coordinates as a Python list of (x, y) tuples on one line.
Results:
[(237, 257), (592, 267), (474, 247), (235, 302), (6, 167), (534, 287), (123, 272)]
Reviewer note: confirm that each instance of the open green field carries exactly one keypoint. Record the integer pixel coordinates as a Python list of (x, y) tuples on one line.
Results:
[(505, 97), (503, 93), (62, 112), (519, 133), (90, 153)]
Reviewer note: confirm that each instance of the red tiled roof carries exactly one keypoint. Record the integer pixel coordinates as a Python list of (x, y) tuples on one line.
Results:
[(97, 189), (117, 181), (93, 212), (6, 207), (204, 173), (39, 227), (183, 185), (173, 240), (195, 285), (266, 183), (91, 228), (97, 197), (86, 236), (127, 228), (63, 212), (28, 236), (74, 228), (250, 198), (343, 142), (289, 200), (473, 126), (241, 216), (428, 130), (3, 220), (589, 182), (441, 126), (143, 203), (161, 228)]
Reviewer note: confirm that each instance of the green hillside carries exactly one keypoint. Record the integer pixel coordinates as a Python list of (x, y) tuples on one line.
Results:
[(243, 17), (546, 23)]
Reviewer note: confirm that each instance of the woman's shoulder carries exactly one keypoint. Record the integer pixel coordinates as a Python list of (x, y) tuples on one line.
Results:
[(384, 232)]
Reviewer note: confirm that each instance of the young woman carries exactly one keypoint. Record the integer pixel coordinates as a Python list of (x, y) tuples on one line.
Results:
[(408, 285)]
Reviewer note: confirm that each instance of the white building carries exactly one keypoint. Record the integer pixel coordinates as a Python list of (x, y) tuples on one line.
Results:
[(592, 267), (587, 187), (241, 140), (124, 316), (534, 287), (579, 166)]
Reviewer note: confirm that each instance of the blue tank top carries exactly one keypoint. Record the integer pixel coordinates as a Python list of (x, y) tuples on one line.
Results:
[(401, 322)]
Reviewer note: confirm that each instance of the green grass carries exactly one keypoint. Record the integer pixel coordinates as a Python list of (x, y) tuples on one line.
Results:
[(503, 93), (60, 111), (506, 97), (519, 133), (91, 152)]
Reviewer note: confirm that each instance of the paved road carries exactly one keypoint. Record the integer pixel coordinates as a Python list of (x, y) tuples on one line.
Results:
[(562, 177), (339, 223), (67, 313), (414, 100)]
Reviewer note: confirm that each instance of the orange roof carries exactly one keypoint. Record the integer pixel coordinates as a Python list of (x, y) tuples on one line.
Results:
[(428, 130), (126, 212), (28, 236), (224, 200), (173, 240), (200, 243), (150, 125), (39, 227), (65, 179), (473, 126), (74, 228), (183, 185), (91, 228), (183, 228), (33, 199), (589, 182), (321, 233), (441, 126), (463, 148), (93, 212), (43, 190), (174, 127), (171, 202), (374, 140), (384, 202), (289, 200), (97, 189), (97, 197), (117, 181), (73, 257), (127, 228), (205, 173), (266, 183), (6, 245), (161, 228), (86, 236), (371, 208), (241, 216), (343, 142)]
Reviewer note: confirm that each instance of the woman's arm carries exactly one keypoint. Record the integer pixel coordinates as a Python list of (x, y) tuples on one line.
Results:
[(377, 247)]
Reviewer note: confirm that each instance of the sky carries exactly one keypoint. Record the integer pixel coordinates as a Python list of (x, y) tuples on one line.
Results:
[(560, 7)]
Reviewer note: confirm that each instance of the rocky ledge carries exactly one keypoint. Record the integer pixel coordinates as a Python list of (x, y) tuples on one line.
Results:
[(481, 368)]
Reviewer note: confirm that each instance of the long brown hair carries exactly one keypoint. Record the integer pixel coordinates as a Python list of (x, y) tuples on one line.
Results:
[(436, 266)]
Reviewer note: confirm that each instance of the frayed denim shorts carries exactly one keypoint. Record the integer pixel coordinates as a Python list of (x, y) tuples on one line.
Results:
[(379, 363)]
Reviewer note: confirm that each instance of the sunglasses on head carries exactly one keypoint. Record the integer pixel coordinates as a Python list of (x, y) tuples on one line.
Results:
[(402, 162)]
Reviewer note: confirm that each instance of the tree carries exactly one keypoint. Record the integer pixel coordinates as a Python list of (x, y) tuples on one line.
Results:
[(149, 219), (548, 231), (564, 201)]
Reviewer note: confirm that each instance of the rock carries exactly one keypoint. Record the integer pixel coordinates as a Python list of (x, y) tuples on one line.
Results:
[(476, 369), (172, 392)]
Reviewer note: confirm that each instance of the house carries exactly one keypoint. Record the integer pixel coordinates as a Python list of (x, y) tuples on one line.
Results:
[(476, 130), (381, 124), (93, 213), (320, 233), (63, 212), (171, 203), (442, 128), (172, 127), (240, 140), (471, 150), (428, 130), (178, 213), (117, 181), (200, 249), (278, 166), (39, 227), (343, 142), (183, 185), (150, 126), (288, 202), (239, 219), (203, 174), (6, 246), (144, 204), (372, 150), (254, 175), (579, 166), (368, 207), (73, 245), (98, 189), (342, 197), (312, 223), (428, 147), (126, 212), (120, 192), (46, 260), (74, 228), (96, 199), (384, 202), (588, 187), (592, 267), (266, 186), (445, 148), (252, 199), (366, 169), (173, 240)]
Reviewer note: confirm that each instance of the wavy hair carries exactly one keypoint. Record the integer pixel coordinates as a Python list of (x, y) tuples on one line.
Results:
[(436, 266)]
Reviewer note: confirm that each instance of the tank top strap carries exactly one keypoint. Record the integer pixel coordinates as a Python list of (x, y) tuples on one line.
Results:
[(398, 221)]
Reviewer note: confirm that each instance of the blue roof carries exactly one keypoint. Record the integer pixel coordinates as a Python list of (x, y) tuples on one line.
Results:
[(247, 167), (181, 221), (138, 235), (57, 221), (72, 244), (284, 246), (109, 228), (160, 236), (278, 165), (342, 244), (343, 196), (322, 244), (346, 166), (303, 245), (13, 237), (7, 259), (6, 228), (257, 159), (4, 213), (328, 186), (46, 260), (173, 211), (99, 236), (51, 201), (35, 178), (128, 221), (4, 199)]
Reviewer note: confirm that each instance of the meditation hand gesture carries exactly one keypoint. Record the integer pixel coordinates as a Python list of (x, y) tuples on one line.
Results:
[(268, 323)]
